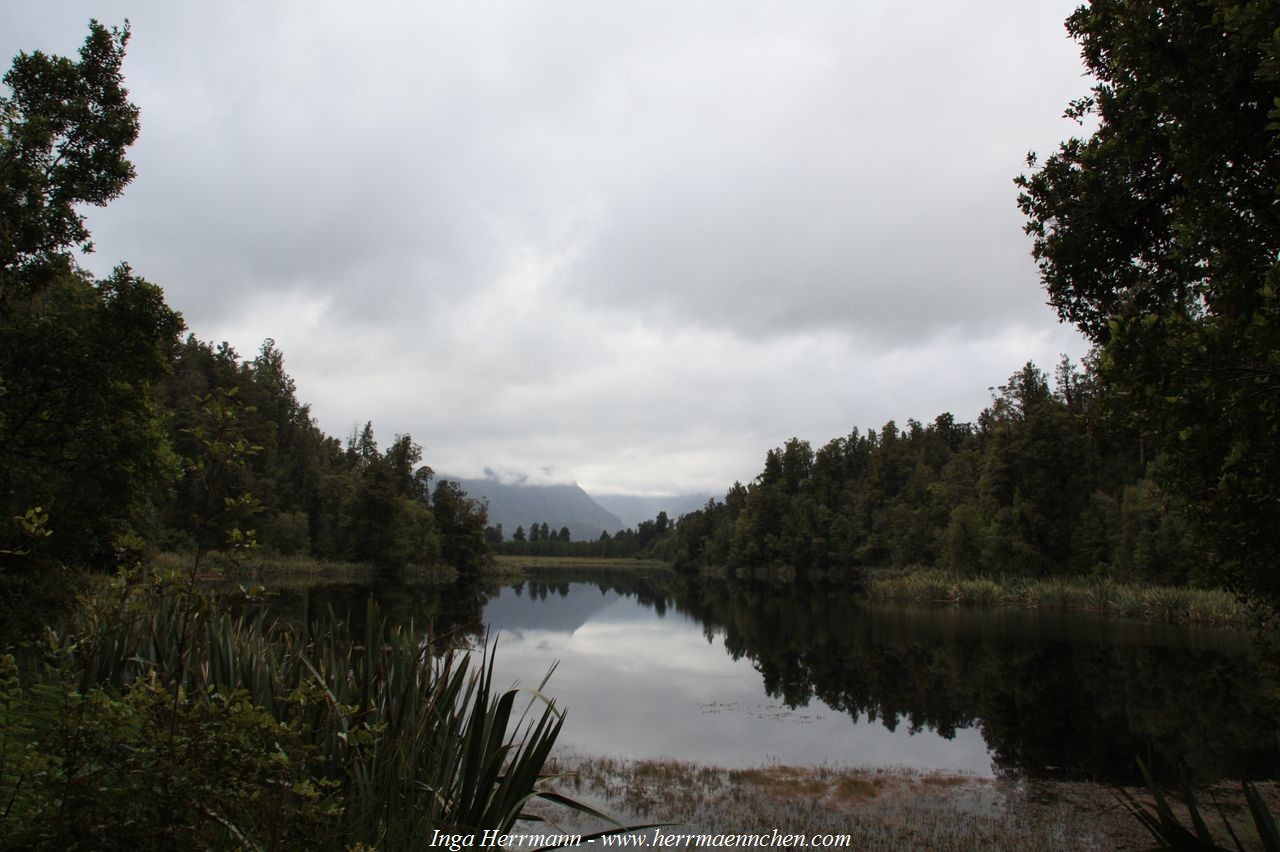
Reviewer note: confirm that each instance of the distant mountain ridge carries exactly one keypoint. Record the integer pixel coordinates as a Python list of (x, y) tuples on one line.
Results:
[(633, 509), (520, 505)]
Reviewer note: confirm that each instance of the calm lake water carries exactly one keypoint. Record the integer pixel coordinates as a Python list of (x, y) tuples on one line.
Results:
[(701, 671)]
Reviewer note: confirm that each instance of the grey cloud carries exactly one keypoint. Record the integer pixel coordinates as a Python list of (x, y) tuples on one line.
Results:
[(633, 244)]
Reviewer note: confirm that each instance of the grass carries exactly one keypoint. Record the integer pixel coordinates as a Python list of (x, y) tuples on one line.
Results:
[(1208, 607), (183, 724), (519, 563), (265, 566), (262, 566)]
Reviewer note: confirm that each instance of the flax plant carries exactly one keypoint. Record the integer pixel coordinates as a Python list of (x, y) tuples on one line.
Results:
[(383, 737)]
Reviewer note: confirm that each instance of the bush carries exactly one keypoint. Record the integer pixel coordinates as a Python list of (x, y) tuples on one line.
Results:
[(163, 718)]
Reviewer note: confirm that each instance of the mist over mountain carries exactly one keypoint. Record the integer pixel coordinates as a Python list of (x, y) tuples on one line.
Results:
[(520, 505), (632, 509), (515, 501)]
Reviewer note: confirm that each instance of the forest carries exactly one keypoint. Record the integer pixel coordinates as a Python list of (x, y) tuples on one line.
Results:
[(212, 446), (1157, 237), (1049, 481)]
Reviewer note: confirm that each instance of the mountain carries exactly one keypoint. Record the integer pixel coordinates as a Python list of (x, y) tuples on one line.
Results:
[(559, 611), (519, 505), (632, 509)]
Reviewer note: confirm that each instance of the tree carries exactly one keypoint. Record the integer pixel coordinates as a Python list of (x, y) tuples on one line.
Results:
[(64, 130), (1158, 237), (461, 521), (81, 432)]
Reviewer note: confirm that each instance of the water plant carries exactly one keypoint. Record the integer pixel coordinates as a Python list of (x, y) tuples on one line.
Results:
[(1160, 820), (163, 716)]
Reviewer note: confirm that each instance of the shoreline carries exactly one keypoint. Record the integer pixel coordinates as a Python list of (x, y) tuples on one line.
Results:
[(878, 808), (1210, 608), (929, 587)]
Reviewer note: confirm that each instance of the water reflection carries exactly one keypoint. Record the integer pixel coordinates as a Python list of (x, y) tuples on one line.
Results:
[(643, 681), (1052, 694), (738, 676)]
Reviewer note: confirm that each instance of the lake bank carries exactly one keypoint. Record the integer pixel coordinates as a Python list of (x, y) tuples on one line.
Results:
[(935, 587), (878, 808), (1097, 596), (927, 587), (537, 563)]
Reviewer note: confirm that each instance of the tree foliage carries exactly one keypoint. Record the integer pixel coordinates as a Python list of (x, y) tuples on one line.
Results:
[(1044, 483), (81, 430), (352, 503), (64, 130), (1158, 237)]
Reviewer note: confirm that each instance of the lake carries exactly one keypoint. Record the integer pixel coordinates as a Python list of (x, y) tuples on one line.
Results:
[(665, 667)]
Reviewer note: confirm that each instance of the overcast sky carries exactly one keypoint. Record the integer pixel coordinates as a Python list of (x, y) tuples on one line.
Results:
[(632, 245)]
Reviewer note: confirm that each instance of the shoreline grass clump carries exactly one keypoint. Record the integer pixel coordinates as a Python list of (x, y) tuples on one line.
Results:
[(161, 718), (518, 564), (1174, 604), (270, 566)]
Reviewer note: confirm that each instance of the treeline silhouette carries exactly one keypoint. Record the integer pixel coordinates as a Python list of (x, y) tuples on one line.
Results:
[(1049, 480)]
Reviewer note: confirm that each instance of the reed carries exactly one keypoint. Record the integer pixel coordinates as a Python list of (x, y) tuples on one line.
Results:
[(1211, 607)]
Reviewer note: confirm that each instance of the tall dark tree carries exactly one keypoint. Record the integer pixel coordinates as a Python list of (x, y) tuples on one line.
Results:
[(64, 130), (461, 522), (82, 444), (1158, 237), (80, 427)]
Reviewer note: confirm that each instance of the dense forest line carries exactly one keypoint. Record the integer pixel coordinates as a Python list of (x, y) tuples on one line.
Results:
[(1049, 480), (317, 495), (118, 435), (218, 453)]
